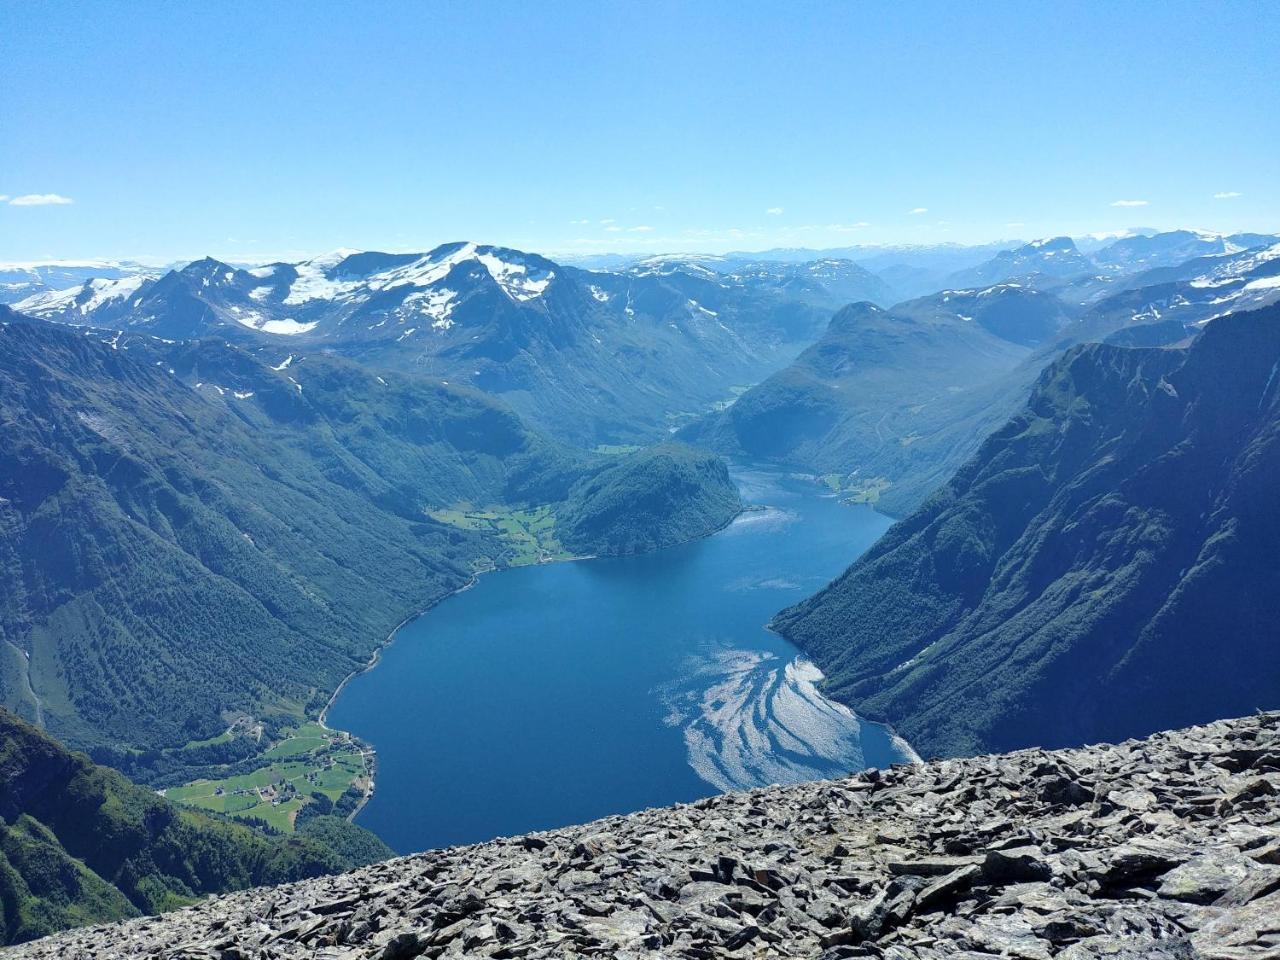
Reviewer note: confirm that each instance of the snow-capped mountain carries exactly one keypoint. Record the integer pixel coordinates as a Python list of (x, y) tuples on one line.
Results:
[(20, 281), (627, 354), (1185, 297), (1133, 254), (1051, 257), (325, 297), (101, 299), (1135, 260), (620, 352), (1010, 311)]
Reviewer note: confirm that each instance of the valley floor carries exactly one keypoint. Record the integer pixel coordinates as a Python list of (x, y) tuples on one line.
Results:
[(1162, 848), (312, 769)]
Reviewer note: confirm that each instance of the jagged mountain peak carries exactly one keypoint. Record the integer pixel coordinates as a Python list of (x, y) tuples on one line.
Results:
[(504, 320), (205, 266)]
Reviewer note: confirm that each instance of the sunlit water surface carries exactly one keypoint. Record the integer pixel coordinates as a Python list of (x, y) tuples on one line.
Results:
[(557, 694)]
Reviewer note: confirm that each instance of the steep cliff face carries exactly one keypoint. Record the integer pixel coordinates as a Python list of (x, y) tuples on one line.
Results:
[(1164, 849), (1104, 566)]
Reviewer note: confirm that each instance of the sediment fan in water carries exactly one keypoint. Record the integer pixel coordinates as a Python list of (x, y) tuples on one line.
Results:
[(1163, 848)]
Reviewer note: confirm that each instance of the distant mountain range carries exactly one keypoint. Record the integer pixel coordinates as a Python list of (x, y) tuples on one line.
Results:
[(632, 353), (1104, 566), (606, 356), (19, 281), (1058, 265), (593, 357), (887, 404), (1054, 257), (1148, 251), (914, 270)]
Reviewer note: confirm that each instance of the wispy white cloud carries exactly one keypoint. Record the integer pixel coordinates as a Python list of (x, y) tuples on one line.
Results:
[(1228, 195), (916, 211), (774, 211), (608, 220), (1014, 225), (579, 223), (643, 228), (39, 200), (612, 228), (1129, 203), (3, 197)]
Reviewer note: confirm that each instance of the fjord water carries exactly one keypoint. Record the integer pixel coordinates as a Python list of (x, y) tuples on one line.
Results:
[(561, 693)]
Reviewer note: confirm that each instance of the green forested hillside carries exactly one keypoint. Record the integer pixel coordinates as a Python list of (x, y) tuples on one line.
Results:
[(1103, 567), (172, 559), (647, 500), (81, 844), (885, 399), (188, 536)]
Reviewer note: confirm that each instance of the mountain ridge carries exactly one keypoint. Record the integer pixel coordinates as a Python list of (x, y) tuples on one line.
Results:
[(894, 424), (622, 353), (302, 510), (1053, 590)]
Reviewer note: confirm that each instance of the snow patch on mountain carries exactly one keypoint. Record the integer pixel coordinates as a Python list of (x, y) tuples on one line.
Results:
[(437, 304), (88, 296), (516, 279), (423, 272), (313, 283), (256, 321), (287, 328)]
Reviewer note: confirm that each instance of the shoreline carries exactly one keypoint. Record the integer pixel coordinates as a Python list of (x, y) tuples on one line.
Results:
[(370, 752), (376, 656)]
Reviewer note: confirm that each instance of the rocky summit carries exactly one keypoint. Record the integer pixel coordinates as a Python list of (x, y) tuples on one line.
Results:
[(1161, 848)]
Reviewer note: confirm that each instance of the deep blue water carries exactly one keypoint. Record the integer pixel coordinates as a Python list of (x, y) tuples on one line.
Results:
[(560, 693)]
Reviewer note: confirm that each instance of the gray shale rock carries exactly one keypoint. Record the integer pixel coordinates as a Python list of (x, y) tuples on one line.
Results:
[(1160, 849)]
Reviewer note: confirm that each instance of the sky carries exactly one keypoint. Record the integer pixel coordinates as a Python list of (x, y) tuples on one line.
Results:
[(260, 131)]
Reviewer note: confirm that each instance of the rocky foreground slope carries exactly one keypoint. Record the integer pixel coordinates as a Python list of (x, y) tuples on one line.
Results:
[(1161, 848)]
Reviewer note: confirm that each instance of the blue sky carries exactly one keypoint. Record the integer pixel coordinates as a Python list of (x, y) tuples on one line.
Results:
[(254, 131)]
